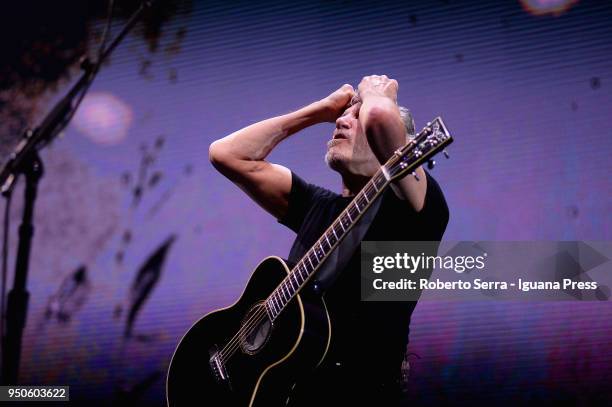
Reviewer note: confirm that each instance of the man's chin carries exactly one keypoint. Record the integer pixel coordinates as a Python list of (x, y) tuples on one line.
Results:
[(334, 161)]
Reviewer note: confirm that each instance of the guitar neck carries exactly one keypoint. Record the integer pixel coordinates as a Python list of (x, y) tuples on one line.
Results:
[(433, 138), (322, 248)]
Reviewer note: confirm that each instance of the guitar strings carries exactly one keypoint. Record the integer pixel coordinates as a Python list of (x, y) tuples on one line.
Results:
[(234, 343), (257, 316)]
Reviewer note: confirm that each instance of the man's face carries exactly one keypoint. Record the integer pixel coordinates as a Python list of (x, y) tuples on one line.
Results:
[(348, 150)]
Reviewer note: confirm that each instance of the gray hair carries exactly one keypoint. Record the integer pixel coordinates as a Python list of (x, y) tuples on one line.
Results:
[(408, 120)]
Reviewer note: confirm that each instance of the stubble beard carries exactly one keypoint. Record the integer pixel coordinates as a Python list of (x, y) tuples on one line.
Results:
[(335, 160)]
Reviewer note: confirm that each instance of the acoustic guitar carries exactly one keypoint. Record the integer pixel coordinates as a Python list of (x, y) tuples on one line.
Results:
[(252, 352)]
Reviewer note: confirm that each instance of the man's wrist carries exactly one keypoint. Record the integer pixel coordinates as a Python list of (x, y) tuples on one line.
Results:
[(322, 111), (311, 114), (375, 95)]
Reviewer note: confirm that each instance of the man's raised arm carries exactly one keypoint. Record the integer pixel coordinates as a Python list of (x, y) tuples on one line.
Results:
[(241, 155), (380, 119)]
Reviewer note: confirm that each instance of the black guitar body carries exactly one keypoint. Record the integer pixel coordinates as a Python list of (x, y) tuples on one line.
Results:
[(266, 360)]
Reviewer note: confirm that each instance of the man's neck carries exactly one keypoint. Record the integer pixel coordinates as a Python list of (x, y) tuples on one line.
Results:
[(352, 184)]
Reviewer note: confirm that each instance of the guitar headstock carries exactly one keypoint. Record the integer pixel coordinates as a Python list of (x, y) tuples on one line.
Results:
[(427, 143)]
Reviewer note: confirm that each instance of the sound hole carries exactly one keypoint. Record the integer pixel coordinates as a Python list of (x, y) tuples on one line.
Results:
[(256, 328)]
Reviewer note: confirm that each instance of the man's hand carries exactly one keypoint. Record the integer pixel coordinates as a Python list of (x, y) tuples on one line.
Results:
[(375, 85), (334, 104)]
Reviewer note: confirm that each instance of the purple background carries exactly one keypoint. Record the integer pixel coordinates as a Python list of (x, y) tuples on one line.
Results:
[(526, 97)]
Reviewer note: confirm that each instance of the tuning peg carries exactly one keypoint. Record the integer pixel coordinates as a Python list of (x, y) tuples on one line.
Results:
[(415, 176), (431, 164), (445, 154)]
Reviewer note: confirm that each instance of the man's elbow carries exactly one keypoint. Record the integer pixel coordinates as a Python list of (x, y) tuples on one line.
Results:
[(218, 154), (225, 160)]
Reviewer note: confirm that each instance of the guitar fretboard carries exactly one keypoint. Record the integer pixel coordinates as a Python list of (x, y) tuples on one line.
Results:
[(422, 147), (317, 254)]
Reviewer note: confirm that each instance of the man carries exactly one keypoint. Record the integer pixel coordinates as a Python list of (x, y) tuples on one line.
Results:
[(369, 339)]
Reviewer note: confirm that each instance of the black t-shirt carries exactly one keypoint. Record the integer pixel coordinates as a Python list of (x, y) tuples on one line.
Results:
[(369, 336)]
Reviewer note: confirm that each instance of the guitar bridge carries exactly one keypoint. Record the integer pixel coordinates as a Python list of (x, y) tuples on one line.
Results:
[(218, 367)]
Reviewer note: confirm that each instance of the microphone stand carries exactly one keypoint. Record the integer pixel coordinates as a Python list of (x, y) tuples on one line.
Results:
[(26, 161)]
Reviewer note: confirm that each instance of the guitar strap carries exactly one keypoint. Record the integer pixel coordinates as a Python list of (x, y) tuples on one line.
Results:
[(339, 258)]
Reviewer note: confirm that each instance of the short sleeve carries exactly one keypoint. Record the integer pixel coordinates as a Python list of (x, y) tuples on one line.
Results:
[(428, 224), (435, 215), (301, 200)]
